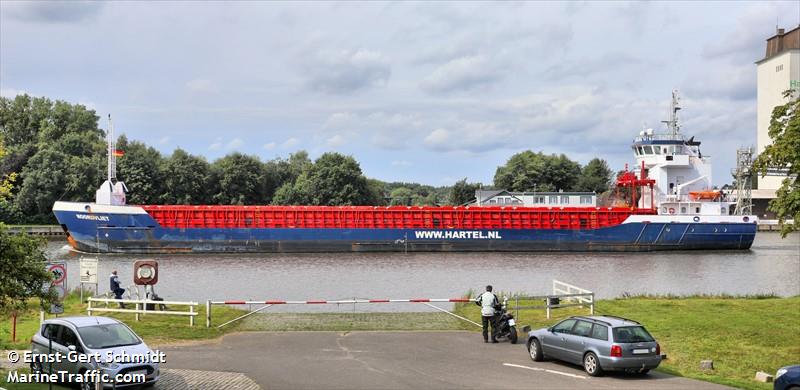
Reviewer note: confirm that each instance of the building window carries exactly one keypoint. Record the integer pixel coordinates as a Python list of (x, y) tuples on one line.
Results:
[(564, 199), (553, 199), (586, 199)]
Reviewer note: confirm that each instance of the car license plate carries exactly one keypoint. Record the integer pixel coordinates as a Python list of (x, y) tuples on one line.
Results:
[(641, 351), (511, 322)]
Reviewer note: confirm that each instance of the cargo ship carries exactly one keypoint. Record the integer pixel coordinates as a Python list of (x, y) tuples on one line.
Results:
[(671, 206)]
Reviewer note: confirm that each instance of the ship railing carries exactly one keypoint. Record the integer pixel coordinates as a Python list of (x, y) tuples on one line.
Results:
[(141, 307)]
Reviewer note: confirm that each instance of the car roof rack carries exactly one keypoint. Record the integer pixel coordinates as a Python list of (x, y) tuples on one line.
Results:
[(621, 318), (592, 319)]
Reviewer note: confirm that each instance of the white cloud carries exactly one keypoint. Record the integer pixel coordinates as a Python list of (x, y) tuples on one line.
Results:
[(164, 140), (346, 71), (234, 144), (401, 163), (270, 145), (461, 74), (290, 143), (335, 141), (216, 145), (437, 138)]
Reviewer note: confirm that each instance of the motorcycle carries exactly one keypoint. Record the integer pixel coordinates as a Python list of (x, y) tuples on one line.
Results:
[(505, 325)]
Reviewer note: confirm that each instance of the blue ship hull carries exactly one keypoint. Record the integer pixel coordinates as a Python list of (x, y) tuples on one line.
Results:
[(139, 233)]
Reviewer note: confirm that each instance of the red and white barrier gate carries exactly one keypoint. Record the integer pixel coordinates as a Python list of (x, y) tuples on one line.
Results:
[(425, 301)]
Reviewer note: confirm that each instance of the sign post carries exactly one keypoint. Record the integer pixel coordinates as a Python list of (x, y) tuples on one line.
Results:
[(88, 267), (59, 271)]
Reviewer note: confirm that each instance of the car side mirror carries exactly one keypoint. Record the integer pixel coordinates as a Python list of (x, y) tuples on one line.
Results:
[(526, 328), (71, 348), (550, 329)]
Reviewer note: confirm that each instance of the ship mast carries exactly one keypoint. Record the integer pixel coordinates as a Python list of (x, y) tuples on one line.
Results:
[(112, 159), (672, 123)]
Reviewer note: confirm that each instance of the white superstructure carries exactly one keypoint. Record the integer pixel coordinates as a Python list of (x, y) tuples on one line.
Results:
[(681, 172)]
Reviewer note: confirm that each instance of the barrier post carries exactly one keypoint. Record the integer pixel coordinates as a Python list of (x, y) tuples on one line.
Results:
[(208, 313), (191, 315), (137, 311), (591, 306), (548, 307)]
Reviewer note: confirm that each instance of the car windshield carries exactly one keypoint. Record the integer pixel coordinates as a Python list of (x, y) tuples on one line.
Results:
[(107, 336), (632, 334)]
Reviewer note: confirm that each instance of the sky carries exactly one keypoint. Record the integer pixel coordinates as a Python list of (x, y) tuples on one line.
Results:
[(428, 92)]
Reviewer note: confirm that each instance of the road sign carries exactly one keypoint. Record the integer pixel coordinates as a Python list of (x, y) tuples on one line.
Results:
[(88, 270), (59, 271)]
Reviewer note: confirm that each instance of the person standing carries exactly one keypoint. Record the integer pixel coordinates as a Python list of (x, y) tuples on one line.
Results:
[(488, 301), (115, 287)]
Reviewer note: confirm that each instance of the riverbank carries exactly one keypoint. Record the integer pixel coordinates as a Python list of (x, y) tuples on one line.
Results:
[(741, 335)]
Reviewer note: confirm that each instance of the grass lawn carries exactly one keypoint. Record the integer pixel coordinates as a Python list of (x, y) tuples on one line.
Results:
[(741, 335)]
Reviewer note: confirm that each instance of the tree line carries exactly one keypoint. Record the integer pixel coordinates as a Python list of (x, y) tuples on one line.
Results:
[(55, 150)]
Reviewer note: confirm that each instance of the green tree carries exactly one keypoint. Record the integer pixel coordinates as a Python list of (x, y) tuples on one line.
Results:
[(401, 196), (784, 153), (595, 176), (240, 180), (527, 171), (140, 168), (336, 180), (23, 263), (186, 179), (463, 192)]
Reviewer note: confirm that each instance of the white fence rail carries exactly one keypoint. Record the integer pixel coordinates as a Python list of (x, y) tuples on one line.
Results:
[(141, 307), (568, 289)]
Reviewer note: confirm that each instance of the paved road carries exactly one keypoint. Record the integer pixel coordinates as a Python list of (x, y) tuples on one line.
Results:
[(396, 360)]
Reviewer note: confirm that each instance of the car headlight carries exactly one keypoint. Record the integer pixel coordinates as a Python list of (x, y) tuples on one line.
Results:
[(108, 365), (780, 372)]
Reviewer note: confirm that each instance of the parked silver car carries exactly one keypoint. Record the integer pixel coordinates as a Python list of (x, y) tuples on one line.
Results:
[(94, 344), (599, 343)]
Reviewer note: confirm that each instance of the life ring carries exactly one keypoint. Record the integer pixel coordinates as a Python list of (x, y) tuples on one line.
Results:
[(696, 219), (671, 210)]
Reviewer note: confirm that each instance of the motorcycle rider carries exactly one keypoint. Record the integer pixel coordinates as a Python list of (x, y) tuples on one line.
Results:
[(488, 301)]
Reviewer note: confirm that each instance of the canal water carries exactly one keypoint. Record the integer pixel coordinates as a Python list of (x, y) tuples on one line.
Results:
[(771, 266)]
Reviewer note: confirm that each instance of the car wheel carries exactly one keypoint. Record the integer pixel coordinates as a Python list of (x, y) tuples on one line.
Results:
[(535, 350), (592, 365), (513, 335)]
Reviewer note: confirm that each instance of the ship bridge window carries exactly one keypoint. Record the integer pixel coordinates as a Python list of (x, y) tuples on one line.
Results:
[(641, 151), (657, 150), (683, 210), (697, 210), (648, 149)]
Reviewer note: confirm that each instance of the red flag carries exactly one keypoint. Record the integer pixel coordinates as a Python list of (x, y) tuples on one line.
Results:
[(118, 153)]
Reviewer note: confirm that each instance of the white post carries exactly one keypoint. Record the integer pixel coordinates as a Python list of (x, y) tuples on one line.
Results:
[(191, 315), (548, 307), (591, 306), (41, 316), (208, 313), (89, 308), (137, 311)]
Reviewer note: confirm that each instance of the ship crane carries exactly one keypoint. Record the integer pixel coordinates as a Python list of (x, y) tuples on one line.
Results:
[(112, 191)]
